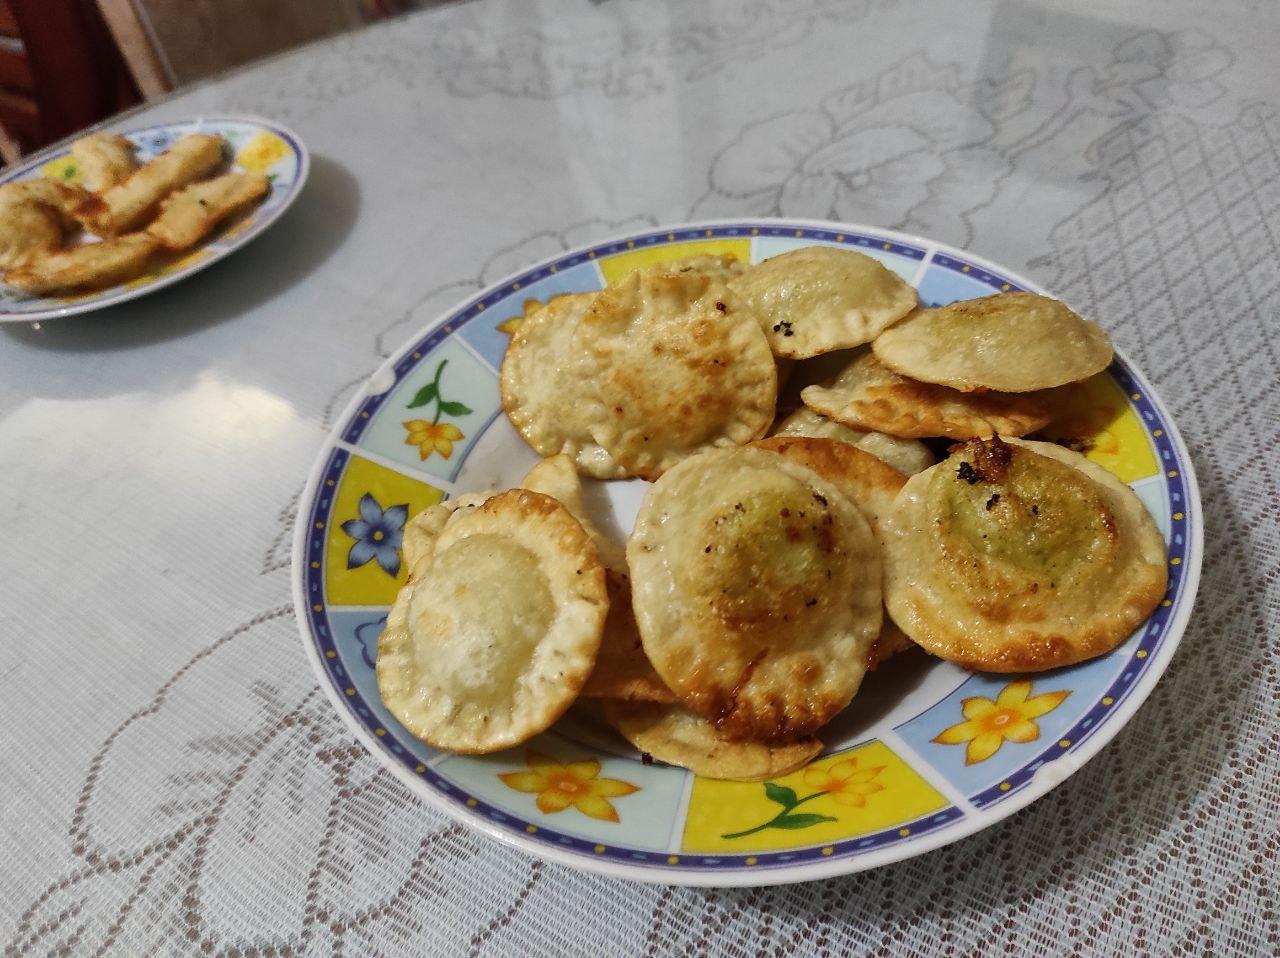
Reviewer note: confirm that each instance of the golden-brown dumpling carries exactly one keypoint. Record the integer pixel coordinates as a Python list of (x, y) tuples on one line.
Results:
[(1009, 342), (818, 299), (908, 456), (28, 232), (500, 628), (756, 586), (546, 394), (91, 265), (867, 394), (1020, 556), (673, 734), (675, 367)]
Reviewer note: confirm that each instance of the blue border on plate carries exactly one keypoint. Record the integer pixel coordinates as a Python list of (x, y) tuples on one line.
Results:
[(1155, 629)]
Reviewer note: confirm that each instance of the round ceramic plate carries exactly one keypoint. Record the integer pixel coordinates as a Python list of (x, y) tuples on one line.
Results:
[(909, 766), (255, 144)]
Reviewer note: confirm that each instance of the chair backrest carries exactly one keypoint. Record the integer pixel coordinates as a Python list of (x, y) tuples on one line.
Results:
[(171, 42), (62, 72), (137, 46)]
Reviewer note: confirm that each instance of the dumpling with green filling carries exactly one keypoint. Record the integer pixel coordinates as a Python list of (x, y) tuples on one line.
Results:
[(1017, 556)]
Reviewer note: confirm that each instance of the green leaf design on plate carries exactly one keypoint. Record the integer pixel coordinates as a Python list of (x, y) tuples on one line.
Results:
[(780, 793), (423, 395), (786, 797), (433, 393), (803, 820)]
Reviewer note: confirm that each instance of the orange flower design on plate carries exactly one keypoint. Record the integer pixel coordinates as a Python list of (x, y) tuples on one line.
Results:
[(574, 783), (1011, 717), (845, 783), (432, 437), (531, 306)]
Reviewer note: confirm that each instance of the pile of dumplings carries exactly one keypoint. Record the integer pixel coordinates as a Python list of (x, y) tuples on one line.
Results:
[(166, 205), (775, 560)]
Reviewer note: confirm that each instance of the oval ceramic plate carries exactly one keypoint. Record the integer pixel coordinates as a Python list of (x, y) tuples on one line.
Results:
[(256, 144), (909, 766)]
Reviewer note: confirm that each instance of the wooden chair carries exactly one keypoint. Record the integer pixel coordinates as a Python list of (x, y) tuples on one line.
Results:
[(171, 42), (60, 71), (67, 64)]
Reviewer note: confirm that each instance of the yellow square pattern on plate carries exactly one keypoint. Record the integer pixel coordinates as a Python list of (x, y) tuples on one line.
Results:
[(842, 796), (348, 580), (262, 152), (1097, 418), (620, 264)]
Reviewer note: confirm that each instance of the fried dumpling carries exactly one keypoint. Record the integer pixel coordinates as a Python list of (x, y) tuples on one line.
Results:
[(105, 159), (908, 456), (62, 197), (190, 214), (1010, 342), (622, 670), (818, 299), (102, 264), (756, 586), (1020, 556), (500, 628), (545, 392), (132, 202), (873, 486), (673, 734), (676, 367), (28, 231), (867, 394)]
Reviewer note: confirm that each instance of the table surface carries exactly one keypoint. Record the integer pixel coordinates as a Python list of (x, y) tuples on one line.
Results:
[(175, 781)]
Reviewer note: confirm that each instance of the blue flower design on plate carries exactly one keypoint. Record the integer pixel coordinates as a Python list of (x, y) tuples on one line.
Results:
[(156, 142), (378, 533)]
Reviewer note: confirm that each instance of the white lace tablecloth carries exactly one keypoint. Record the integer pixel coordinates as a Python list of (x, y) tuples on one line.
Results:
[(173, 780)]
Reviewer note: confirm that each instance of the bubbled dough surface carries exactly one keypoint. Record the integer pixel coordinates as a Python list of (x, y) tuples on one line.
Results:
[(676, 367)]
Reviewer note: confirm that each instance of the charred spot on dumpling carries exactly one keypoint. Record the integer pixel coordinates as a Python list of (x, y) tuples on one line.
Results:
[(819, 298)]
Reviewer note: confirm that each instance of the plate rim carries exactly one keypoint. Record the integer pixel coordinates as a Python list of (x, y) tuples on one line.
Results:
[(43, 156), (975, 821)]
